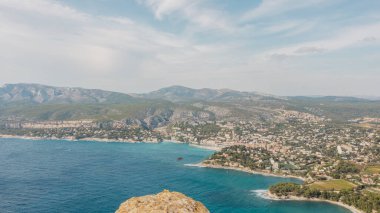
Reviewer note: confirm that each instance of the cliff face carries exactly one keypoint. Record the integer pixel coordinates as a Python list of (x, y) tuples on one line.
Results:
[(163, 202)]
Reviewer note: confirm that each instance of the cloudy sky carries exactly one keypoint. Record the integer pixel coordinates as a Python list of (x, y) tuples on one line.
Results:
[(283, 47)]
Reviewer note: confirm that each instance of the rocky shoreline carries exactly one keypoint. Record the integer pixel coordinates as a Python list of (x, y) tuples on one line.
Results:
[(244, 170), (73, 139), (104, 140), (270, 196), (266, 195)]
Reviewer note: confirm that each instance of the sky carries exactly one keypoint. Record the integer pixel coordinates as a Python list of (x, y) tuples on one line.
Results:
[(281, 47)]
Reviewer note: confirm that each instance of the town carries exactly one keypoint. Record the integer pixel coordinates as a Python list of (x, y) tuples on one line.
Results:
[(297, 144), (326, 155)]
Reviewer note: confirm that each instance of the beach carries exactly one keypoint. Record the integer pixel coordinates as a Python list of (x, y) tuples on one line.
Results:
[(214, 148)]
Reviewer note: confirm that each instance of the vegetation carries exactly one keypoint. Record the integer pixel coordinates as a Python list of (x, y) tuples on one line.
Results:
[(372, 169), (338, 108), (76, 103), (285, 189), (360, 199), (79, 111), (346, 167), (126, 134), (201, 131), (333, 185), (243, 156)]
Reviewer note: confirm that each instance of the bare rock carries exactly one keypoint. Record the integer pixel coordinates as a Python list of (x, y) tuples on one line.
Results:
[(163, 202)]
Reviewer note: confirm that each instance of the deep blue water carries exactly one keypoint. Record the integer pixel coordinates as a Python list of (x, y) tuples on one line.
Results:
[(63, 176)]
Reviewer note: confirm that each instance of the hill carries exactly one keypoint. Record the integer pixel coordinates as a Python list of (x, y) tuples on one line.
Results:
[(39, 94), (185, 94), (171, 104)]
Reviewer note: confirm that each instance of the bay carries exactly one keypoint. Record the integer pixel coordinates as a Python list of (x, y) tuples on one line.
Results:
[(85, 176)]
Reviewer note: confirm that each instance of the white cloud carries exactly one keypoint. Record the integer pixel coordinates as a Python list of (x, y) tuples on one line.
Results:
[(42, 7), (58, 43), (192, 11), (165, 7), (349, 37), (43, 41), (276, 7)]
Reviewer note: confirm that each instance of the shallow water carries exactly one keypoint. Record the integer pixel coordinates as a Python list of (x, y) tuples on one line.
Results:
[(64, 176)]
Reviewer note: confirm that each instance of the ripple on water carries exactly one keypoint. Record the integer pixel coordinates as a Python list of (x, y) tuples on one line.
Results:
[(39, 176)]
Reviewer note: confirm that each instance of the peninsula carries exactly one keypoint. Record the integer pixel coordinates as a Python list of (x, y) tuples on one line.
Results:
[(342, 182)]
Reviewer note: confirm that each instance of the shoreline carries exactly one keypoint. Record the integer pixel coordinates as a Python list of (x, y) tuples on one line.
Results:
[(213, 148), (105, 140), (266, 195), (202, 165), (270, 196)]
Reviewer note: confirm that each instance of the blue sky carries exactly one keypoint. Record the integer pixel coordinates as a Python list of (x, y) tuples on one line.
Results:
[(283, 47)]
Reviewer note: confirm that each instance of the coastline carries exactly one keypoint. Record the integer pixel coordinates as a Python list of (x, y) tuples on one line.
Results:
[(73, 139), (270, 196), (202, 165), (214, 148), (104, 140), (266, 195)]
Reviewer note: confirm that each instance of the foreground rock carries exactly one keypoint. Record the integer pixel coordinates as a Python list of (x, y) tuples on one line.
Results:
[(163, 202)]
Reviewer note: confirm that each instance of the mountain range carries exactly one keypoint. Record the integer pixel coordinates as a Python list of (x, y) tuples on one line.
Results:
[(40, 102), (39, 94)]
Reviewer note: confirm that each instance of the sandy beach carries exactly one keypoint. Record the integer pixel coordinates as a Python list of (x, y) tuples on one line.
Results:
[(214, 148)]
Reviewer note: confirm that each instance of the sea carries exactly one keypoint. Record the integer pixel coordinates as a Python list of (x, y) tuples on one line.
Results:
[(86, 176)]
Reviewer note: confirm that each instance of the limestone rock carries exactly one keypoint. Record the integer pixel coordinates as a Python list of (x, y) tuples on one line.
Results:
[(163, 202)]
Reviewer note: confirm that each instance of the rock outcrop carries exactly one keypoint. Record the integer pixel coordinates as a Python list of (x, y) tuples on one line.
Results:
[(163, 202)]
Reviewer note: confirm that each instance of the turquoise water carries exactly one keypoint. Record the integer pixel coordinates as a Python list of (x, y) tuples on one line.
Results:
[(63, 176)]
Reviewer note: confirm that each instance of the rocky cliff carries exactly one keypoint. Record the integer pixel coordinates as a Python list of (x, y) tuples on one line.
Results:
[(163, 202)]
